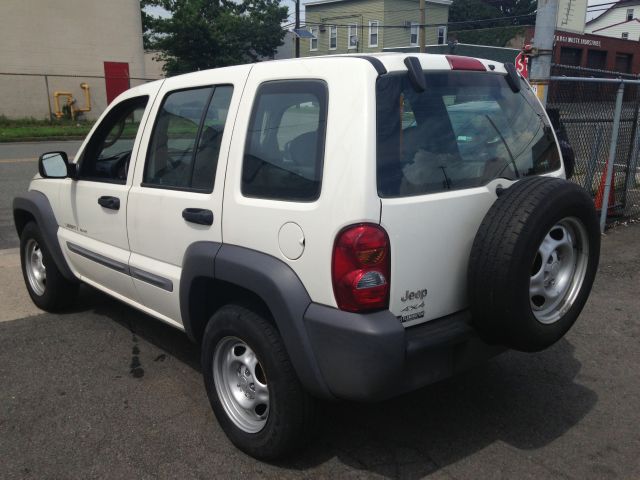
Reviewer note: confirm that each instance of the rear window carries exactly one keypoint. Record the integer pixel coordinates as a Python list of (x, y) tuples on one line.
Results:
[(464, 130)]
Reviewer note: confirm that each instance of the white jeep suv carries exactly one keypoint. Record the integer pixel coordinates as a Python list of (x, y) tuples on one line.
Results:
[(342, 227)]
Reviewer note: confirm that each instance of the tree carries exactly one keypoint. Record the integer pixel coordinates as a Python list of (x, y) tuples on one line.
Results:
[(201, 34), (466, 10)]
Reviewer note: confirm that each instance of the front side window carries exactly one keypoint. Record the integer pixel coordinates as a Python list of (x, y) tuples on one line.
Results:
[(108, 153), (463, 131), (413, 36), (333, 37), (284, 150), (313, 41), (352, 36), (373, 34), (185, 143)]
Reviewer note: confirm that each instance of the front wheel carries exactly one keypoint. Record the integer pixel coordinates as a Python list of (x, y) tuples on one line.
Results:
[(252, 386), (46, 285)]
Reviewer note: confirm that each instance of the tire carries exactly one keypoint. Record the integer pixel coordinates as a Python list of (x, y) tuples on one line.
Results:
[(47, 287), (289, 420), (533, 262)]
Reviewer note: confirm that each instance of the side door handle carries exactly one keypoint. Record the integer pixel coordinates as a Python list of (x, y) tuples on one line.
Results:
[(112, 203), (200, 216)]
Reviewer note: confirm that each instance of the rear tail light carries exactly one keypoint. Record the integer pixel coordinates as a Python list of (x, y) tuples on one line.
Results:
[(361, 268)]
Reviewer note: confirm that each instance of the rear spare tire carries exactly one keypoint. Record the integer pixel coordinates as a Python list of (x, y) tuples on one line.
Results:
[(533, 262)]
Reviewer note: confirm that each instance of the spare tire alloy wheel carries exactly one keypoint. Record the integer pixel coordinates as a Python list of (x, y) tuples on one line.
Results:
[(533, 262), (559, 270), (241, 384)]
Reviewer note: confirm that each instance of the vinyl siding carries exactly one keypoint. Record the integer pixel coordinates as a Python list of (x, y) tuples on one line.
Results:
[(613, 17), (342, 14), (615, 31), (386, 12), (398, 12)]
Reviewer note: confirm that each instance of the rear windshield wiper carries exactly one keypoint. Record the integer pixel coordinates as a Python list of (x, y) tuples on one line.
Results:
[(504, 142)]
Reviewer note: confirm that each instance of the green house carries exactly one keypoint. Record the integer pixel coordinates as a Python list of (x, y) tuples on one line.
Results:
[(361, 26)]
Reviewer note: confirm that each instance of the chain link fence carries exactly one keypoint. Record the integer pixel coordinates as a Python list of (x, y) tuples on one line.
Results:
[(598, 115)]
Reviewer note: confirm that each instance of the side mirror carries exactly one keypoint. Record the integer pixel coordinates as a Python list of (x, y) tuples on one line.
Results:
[(53, 165)]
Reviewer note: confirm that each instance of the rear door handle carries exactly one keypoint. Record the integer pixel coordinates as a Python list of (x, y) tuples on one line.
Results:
[(200, 216), (112, 203)]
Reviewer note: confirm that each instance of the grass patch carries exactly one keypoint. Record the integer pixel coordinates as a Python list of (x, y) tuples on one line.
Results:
[(12, 130)]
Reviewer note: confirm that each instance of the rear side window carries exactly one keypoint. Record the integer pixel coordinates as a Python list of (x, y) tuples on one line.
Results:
[(185, 144), (284, 150), (464, 130)]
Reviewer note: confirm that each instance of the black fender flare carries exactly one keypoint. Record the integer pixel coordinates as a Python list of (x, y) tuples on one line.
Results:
[(37, 205), (270, 279)]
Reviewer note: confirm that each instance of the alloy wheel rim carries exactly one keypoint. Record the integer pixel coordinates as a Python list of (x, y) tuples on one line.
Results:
[(241, 384), (558, 270), (35, 268)]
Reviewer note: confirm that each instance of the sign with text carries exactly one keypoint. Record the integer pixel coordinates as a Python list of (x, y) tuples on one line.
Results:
[(522, 65)]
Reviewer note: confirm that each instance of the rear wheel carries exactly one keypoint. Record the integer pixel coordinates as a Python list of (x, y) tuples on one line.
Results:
[(252, 386), (533, 262), (47, 287)]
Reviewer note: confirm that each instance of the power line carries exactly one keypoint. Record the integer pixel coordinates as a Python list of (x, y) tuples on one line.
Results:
[(464, 22)]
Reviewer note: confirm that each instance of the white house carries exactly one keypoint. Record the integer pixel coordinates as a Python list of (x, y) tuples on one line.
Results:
[(621, 20)]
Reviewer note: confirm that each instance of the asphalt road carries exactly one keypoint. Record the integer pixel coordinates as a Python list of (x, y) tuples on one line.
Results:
[(18, 164), (103, 391)]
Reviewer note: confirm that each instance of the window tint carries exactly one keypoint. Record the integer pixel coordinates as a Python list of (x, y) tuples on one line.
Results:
[(171, 149), (108, 153), (463, 131), (285, 141), (206, 158)]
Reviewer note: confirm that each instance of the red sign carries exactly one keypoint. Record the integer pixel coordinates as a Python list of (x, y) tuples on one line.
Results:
[(522, 65)]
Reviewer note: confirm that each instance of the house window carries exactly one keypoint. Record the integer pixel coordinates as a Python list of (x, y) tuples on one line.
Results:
[(413, 38), (629, 14), (352, 36), (442, 35), (333, 37), (373, 33), (313, 42), (625, 35)]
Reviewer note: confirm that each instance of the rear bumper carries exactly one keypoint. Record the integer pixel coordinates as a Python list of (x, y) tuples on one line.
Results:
[(373, 357)]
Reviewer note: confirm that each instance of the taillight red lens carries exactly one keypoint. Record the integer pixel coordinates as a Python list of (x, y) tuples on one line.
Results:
[(361, 268)]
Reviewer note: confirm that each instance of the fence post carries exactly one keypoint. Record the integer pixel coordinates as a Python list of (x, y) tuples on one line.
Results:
[(612, 155), (46, 84), (591, 166), (634, 156)]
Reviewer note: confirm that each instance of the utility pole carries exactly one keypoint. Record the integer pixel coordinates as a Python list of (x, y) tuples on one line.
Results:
[(543, 40), (298, 27), (421, 36)]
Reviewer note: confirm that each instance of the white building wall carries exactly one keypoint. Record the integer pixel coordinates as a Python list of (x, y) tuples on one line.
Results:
[(613, 17), (70, 37), (632, 28)]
